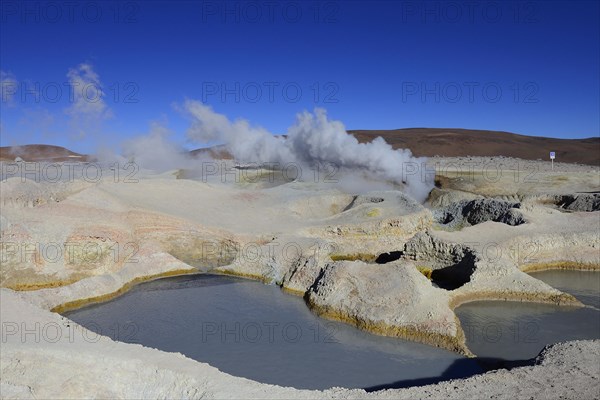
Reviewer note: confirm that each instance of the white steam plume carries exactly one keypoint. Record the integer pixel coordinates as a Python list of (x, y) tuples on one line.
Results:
[(313, 138), (153, 151)]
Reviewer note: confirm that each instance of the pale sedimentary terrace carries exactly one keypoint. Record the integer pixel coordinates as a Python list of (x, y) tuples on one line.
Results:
[(377, 260)]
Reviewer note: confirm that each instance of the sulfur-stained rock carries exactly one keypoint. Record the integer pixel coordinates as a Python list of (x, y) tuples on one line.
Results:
[(394, 299)]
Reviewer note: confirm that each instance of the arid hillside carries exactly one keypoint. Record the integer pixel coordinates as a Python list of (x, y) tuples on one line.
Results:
[(40, 152), (451, 142), (466, 142)]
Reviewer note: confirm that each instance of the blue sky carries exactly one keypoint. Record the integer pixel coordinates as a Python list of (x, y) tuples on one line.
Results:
[(525, 67)]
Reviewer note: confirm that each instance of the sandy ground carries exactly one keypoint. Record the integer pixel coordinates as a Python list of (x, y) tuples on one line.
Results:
[(65, 244)]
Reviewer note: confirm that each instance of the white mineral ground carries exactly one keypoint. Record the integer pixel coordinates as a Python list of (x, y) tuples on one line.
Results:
[(312, 239)]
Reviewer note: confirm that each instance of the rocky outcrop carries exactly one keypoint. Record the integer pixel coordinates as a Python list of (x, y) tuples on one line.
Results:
[(465, 213), (471, 274), (394, 299), (580, 202)]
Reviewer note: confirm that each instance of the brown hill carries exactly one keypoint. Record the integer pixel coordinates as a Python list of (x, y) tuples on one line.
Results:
[(452, 142), (219, 152), (40, 152)]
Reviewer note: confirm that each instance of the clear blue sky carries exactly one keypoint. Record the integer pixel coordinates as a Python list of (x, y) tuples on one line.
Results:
[(525, 67)]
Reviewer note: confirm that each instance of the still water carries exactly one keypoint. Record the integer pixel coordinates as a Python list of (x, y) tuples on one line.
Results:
[(249, 329), (518, 331)]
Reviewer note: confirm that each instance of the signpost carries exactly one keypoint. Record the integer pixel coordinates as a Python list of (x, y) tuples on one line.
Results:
[(552, 157)]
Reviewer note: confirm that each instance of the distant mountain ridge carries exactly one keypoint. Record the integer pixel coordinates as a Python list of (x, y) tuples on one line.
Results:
[(449, 142), (453, 142), (456, 142), (40, 152)]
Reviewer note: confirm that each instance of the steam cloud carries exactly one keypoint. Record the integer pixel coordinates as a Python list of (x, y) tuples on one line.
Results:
[(88, 108), (312, 139)]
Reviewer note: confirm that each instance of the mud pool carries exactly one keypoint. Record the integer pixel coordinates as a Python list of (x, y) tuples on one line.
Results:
[(249, 329)]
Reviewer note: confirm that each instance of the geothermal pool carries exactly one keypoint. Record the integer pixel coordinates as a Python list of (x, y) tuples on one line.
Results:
[(249, 329), (585, 285), (256, 331), (519, 330)]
